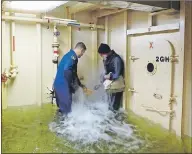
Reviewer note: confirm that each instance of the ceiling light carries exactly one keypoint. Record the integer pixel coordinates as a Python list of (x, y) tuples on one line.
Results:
[(34, 5)]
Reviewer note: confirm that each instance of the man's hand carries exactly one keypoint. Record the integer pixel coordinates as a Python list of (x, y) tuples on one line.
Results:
[(86, 91), (83, 87)]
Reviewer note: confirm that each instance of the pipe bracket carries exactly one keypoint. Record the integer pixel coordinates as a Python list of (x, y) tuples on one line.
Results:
[(131, 90), (172, 100), (13, 67), (133, 58), (174, 58), (170, 112)]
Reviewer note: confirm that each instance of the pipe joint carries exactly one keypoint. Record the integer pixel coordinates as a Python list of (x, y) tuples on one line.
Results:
[(14, 67), (92, 26), (55, 58), (55, 45), (13, 72)]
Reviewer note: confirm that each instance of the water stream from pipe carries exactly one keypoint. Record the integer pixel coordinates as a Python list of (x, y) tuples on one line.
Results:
[(92, 127)]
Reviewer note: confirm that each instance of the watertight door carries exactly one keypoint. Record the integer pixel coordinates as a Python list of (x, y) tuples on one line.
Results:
[(151, 76)]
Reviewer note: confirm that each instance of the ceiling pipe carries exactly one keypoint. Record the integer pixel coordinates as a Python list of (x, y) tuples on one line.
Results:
[(53, 18), (45, 21), (21, 11)]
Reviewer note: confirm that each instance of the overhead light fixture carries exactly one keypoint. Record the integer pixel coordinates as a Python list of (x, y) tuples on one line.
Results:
[(41, 6)]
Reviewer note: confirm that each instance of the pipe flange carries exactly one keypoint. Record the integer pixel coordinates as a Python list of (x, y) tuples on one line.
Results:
[(55, 61), (13, 67), (14, 71), (55, 45)]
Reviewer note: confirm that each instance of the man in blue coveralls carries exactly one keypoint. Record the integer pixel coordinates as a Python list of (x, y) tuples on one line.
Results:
[(66, 78)]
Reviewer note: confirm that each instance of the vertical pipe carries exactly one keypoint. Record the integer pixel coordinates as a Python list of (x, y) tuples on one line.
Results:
[(185, 31), (172, 89), (69, 37), (55, 46), (4, 63), (1, 67), (107, 30), (69, 16), (13, 44), (94, 51), (13, 68), (125, 37), (39, 66)]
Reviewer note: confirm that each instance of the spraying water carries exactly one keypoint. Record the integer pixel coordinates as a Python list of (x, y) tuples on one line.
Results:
[(92, 127)]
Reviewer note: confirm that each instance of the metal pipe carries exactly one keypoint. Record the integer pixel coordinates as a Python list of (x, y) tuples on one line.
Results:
[(13, 44), (45, 21), (55, 46), (13, 68), (172, 89), (36, 12), (39, 65), (53, 18)]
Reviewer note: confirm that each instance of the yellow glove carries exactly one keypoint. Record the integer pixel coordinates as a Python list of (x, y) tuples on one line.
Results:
[(87, 91)]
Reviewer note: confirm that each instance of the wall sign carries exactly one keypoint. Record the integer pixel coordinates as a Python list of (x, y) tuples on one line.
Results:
[(162, 58)]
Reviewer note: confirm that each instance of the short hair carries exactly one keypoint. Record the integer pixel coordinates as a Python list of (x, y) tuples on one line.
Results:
[(81, 45)]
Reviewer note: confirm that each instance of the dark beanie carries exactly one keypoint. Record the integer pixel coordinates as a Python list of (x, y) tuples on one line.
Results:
[(104, 48)]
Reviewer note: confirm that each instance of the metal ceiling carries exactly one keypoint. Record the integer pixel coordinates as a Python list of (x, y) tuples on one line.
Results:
[(139, 5)]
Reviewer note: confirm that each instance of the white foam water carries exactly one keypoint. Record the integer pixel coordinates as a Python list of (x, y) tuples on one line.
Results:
[(92, 127), (92, 124)]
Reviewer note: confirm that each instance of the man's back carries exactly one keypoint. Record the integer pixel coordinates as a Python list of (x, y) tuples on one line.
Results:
[(67, 63), (114, 64), (66, 72)]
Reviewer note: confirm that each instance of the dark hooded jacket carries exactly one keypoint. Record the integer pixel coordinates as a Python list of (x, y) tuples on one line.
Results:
[(114, 64)]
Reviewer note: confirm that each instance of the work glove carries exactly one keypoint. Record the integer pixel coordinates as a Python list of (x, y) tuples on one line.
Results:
[(83, 87), (86, 90), (107, 76)]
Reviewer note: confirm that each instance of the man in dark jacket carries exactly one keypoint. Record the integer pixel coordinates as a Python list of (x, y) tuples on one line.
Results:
[(66, 76), (114, 67)]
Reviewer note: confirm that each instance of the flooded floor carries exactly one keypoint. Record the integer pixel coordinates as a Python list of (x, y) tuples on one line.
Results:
[(26, 129)]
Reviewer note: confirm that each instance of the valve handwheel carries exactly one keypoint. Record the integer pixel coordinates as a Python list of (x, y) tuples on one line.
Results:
[(3, 78)]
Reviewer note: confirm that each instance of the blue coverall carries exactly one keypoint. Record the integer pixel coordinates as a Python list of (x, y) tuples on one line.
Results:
[(64, 81)]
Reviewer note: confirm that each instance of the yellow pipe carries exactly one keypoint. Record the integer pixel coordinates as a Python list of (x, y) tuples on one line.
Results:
[(172, 97), (4, 65), (45, 21)]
